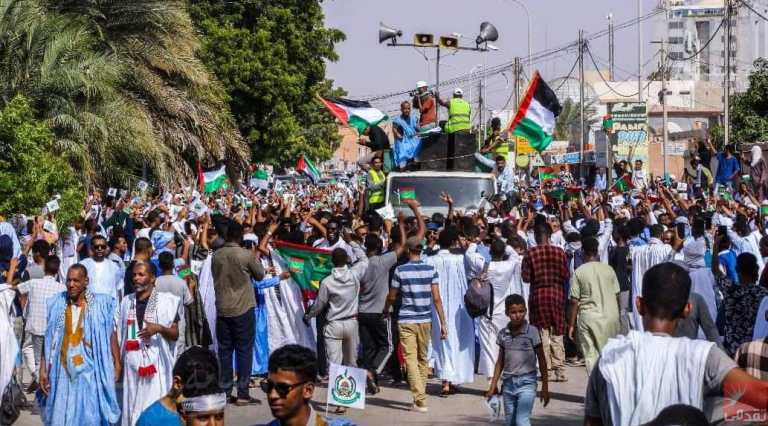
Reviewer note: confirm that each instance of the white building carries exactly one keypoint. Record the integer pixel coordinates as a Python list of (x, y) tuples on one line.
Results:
[(689, 24)]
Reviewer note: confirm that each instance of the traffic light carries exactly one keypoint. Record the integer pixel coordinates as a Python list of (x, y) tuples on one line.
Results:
[(424, 40), (449, 42)]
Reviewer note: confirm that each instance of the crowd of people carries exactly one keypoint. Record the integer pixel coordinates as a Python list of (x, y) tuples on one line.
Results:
[(167, 307)]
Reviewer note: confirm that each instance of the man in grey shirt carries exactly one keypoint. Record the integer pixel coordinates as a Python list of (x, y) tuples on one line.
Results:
[(665, 300), (169, 282), (375, 330), (233, 267)]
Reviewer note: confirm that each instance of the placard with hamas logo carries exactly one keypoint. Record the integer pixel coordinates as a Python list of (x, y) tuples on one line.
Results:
[(346, 386)]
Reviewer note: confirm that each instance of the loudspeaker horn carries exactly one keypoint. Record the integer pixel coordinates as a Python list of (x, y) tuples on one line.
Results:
[(388, 33), (487, 33)]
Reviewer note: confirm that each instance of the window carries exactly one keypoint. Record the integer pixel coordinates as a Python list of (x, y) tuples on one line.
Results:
[(676, 56), (676, 25), (675, 40)]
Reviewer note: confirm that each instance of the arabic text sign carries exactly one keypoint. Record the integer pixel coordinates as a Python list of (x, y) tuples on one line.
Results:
[(739, 398)]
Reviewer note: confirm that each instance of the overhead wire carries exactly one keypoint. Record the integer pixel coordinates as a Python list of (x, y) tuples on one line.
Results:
[(600, 73), (749, 6), (702, 48)]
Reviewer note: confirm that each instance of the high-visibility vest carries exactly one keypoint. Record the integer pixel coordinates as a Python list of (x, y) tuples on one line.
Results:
[(502, 148), (377, 196), (458, 115)]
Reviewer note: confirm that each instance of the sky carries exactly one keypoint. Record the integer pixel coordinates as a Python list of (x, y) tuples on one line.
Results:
[(367, 68)]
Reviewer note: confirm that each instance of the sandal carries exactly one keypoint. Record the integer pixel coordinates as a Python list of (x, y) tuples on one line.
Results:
[(445, 393)]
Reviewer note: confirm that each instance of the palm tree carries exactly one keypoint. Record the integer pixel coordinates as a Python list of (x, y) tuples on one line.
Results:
[(569, 119), (119, 85), (155, 42)]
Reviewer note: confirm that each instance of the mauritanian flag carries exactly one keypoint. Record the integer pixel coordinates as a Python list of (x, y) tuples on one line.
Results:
[(305, 166), (260, 179), (307, 265), (407, 193), (546, 173), (535, 118), (356, 114), (215, 179)]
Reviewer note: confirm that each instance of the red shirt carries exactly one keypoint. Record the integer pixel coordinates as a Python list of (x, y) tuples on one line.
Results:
[(546, 269), (427, 108)]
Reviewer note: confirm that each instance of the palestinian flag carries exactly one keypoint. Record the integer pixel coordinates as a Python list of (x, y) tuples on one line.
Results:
[(215, 179), (546, 174), (535, 118), (260, 179), (307, 265), (305, 166), (357, 114), (624, 184)]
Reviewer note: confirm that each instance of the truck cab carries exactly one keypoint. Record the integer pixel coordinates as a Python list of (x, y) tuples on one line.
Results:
[(467, 189)]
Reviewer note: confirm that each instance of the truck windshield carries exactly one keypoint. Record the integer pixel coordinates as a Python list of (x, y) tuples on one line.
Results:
[(465, 191)]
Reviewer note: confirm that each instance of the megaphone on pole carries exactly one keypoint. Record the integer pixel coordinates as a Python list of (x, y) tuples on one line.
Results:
[(388, 33), (487, 33)]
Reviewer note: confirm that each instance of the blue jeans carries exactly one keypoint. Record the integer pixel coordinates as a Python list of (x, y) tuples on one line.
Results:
[(519, 395), (236, 334)]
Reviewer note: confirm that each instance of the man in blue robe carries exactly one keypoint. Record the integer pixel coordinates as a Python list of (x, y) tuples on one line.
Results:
[(407, 142), (81, 357)]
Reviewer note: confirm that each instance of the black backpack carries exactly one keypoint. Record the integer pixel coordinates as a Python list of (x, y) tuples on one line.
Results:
[(479, 296), (13, 401)]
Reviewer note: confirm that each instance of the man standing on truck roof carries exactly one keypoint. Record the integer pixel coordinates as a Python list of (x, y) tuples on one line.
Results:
[(424, 101), (458, 112), (376, 184)]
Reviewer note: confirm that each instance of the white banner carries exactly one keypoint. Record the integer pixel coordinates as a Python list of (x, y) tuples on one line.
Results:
[(346, 386)]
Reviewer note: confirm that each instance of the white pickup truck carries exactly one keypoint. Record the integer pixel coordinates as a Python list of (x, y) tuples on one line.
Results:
[(468, 189)]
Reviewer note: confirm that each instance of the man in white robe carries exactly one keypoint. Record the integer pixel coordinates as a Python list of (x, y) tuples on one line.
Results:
[(104, 275), (455, 356), (285, 309), (640, 374), (208, 296), (643, 259), (9, 348), (148, 330), (501, 274)]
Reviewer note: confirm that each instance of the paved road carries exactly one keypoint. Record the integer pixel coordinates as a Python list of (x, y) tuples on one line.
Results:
[(392, 406)]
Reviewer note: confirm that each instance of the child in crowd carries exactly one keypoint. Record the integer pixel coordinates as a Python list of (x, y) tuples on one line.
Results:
[(519, 348)]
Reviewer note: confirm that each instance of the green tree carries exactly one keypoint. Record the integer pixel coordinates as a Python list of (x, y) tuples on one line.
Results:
[(271, 56), (568, 122), (749, 110), (30, 174), (118, 83)]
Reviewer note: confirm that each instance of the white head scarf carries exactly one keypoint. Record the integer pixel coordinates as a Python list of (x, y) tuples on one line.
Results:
[(757, 154)]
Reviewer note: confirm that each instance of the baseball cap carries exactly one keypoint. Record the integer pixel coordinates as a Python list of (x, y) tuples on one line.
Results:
[(458, 91)]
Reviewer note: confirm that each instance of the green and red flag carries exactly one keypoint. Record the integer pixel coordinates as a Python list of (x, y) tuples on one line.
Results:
[(624, 184), (557, 193), (535, 118), (546, 174), (307, 265), (407, 193)]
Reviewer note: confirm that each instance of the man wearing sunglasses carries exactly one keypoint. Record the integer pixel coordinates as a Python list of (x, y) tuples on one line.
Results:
[(290, 386), (104, 275)]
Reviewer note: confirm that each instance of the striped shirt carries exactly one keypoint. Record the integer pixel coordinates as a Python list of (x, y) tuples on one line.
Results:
[(415, 281)]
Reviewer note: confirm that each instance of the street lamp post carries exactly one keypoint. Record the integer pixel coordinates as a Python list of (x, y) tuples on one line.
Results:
[(528, 15)]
